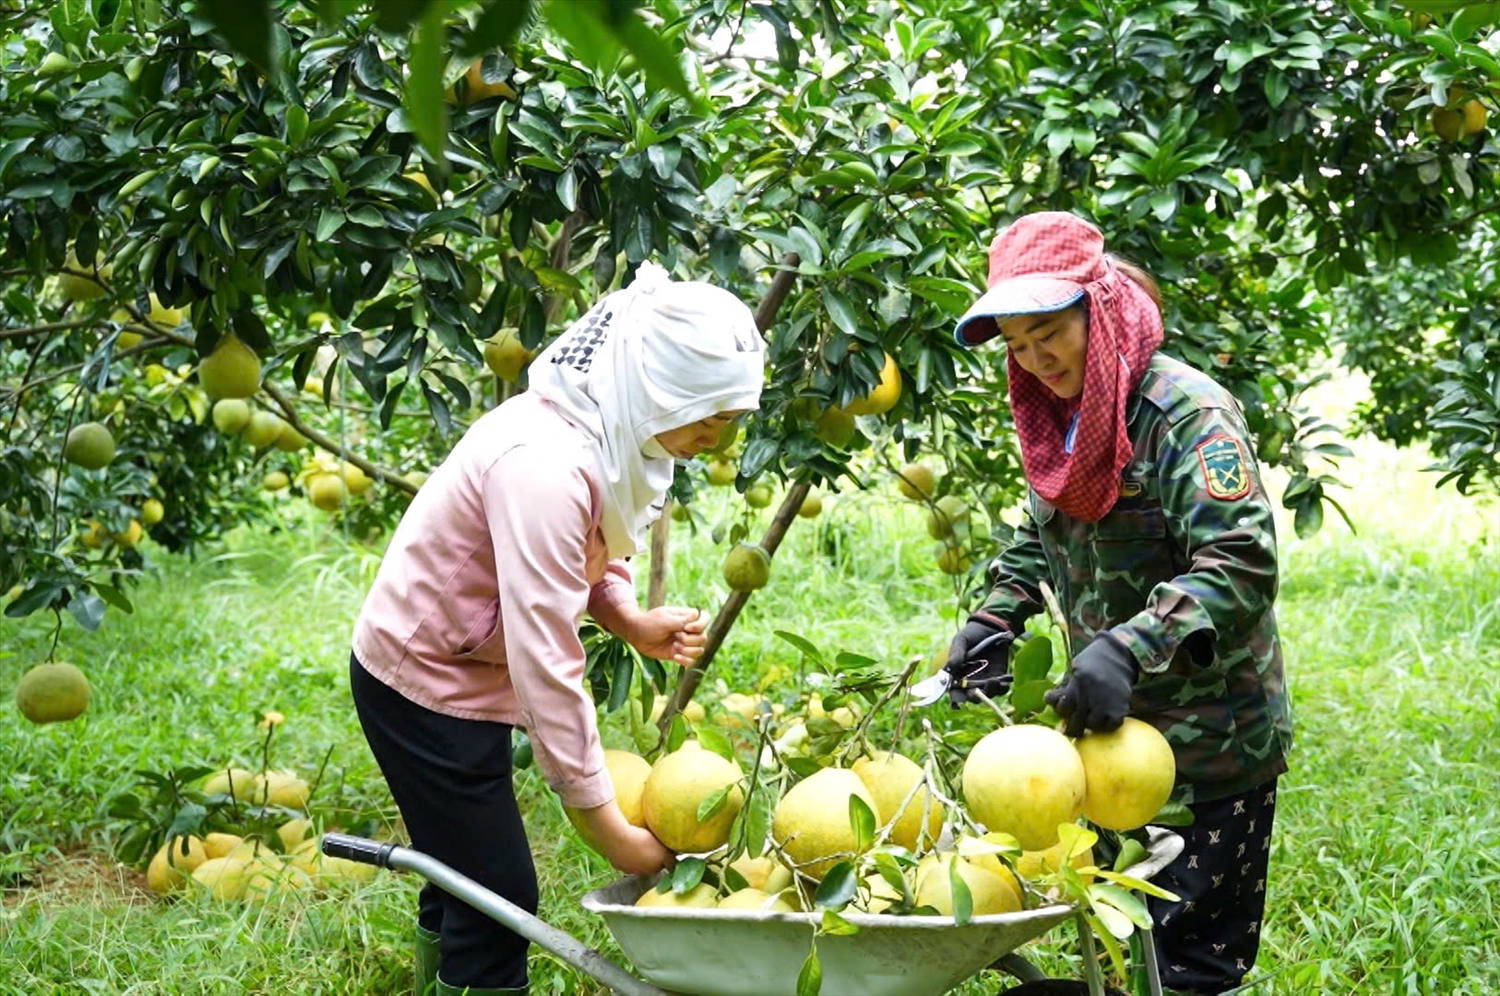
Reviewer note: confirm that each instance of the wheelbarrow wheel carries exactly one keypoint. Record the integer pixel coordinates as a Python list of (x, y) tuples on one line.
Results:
[(1056, 987)]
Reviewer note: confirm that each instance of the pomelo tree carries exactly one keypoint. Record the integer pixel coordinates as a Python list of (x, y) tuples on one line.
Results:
[(363, 194)]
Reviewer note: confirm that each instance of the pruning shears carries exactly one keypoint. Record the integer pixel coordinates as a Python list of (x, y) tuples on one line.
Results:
[(929, 690)]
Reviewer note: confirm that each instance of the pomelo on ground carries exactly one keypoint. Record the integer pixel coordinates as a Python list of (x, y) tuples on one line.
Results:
[(174, 863)]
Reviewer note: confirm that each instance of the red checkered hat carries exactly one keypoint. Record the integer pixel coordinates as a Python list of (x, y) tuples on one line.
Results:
[(1039, 264)]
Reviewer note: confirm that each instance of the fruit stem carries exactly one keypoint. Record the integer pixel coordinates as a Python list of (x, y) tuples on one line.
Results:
[(1090, 956), (1005, 719), (898, 688)]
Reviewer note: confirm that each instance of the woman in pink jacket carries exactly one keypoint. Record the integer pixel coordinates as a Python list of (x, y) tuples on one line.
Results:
[(471, 627)]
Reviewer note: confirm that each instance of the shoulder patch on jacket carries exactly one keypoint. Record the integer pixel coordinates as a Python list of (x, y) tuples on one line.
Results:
[(1224, 472)]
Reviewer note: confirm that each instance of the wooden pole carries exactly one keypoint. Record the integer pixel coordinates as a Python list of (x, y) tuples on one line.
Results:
[(661, 532)]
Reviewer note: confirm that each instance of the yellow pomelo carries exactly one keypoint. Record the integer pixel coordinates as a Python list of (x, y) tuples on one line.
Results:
[(948, 515), (270, 878), (263, 430), (89, 445), (700, 896), (882, 895), (280, 788), (505, 356), (289, 440), (294, 832), (988, 893), (221, 783), (721, 473), (678, 784), (247, 850), (890, 777), (94, 536), (812, 506), (1129, 774), (356, 480), (275, 481), (1025, 780), (883, 396), (1448, 123), (219, 845), (231, 415), (811, 822), (992, 864), (1035, 864), (52, 693), (168, 318), (332, 871), (224, 878), (692, 712), (232, 370), (476, 89), (81, 288), (1475, 116), (173, 863), (152, 511), (132, 534), (915, 481), (747, 568), (953, 560), (740, 707), (834, 427), (755, 899), (326, 491), (416, 478), (763, 873), (627, 773)]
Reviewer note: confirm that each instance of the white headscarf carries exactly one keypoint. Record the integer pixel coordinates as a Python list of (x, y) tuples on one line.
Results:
[(655, 356)]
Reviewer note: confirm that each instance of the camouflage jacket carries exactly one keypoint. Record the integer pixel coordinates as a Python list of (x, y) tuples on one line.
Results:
[(1183, 572)]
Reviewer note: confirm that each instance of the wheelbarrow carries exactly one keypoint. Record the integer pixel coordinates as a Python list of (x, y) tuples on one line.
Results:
[(759, 953)]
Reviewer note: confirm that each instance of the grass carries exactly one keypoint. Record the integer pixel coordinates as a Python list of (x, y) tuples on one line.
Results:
[(1384, 868)]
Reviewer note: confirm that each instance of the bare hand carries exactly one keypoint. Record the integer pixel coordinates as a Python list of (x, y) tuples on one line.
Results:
[(669, 633), (637, 852)]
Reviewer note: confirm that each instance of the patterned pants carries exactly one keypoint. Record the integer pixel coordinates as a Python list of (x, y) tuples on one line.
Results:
[(1207, 941)]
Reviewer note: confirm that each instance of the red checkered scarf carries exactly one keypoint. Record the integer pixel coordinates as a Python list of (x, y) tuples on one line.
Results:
[(1124, 330)]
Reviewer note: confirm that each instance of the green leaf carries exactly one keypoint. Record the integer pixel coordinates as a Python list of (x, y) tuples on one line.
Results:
[(1032, 660), (841, 311), (812, 653), (1309, 518), (837, 925), (677, 732), (501, 21), (423, 96), (87, 608), (837, 887), (397, 15), (114, 596), (711, 739), (246, 26), (1173, 814), (687, 875), (963, 902), (810, 978), (660, 61), (862, 821)]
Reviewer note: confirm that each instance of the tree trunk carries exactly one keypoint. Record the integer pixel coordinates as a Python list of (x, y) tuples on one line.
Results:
[(661, 532)]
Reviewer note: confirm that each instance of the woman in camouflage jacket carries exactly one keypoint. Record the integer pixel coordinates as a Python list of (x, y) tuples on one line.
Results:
[(1148, 518)]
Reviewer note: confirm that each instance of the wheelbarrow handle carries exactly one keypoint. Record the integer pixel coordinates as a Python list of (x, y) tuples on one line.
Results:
[(361, 849), (497, 908)]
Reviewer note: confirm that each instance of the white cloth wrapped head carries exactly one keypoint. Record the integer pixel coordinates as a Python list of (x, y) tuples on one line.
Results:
[(657, 355)]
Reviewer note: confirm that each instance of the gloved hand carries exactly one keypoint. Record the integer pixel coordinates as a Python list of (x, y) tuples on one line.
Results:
[(1096, 693), (974, 663)]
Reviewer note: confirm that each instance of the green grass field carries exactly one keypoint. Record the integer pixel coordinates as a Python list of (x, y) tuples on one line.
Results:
[(1386, 860)]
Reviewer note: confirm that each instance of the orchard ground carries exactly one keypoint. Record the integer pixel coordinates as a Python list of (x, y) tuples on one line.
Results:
[(1384, 870)]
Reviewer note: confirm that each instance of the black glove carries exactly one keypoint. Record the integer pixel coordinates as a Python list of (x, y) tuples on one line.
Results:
[(1096, 693), (978, 658)]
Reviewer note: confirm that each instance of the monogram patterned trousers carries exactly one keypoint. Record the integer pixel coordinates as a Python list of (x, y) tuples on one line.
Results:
[(1207, 940)]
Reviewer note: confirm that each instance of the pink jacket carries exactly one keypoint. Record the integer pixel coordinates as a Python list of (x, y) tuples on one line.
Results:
[(475, 610)]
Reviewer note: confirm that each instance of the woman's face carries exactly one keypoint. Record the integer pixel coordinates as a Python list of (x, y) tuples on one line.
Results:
[(688, 441), (1051, 347)]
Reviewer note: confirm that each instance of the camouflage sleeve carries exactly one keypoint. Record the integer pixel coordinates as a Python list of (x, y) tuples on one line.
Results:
[(1016, 575), (1219, 516)]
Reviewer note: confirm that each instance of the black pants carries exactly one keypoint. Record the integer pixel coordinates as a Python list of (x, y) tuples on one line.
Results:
[(1208, 940), (451, 779)]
